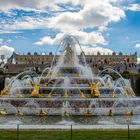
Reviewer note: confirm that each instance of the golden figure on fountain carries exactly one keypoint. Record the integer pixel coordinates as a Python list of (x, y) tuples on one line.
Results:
[(2, 112), (95, 89), (49, 74), (66, 95), (129, 113), (49, 95), (88, 113), (113, 94), (78, 74), (66, 114), (46, 84), (20, 94), (5, 91), (130, 92), (35, 93), (19, 113), (110, 113), (42, 113), (82, 94)]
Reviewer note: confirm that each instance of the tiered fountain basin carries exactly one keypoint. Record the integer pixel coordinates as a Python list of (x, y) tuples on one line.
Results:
[(70, 106), (68, 88)]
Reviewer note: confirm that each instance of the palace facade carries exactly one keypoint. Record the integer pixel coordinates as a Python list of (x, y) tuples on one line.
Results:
[(120, 62)]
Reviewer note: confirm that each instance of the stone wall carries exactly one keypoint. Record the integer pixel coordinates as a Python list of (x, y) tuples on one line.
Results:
[(96, 59)]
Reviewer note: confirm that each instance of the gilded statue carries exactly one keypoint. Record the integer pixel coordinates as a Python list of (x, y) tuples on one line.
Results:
[(95, 89)]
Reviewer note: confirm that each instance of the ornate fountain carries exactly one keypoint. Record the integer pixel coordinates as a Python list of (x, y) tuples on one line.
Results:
[(68, 87)]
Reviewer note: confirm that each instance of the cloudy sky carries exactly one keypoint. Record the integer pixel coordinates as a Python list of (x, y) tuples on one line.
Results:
[(39, 25)]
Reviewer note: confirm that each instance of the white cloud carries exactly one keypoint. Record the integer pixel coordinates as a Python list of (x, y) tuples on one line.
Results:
[(97, 13), (27, 23), (94, 50), (138, 60), (6, 50), (91, 38), (94, 14), (133, 7), (137, 45), (30, 5), (84, 38), (47, 40), (40, 5)]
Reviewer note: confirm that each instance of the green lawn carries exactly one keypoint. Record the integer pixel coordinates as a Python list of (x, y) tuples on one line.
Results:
[(66, 135)]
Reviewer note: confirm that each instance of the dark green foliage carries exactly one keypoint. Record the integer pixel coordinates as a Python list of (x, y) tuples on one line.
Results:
[(126, 75), (137, 86), (1, 72)]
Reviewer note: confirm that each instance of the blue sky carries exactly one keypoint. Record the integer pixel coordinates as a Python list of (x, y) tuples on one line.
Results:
[(39, 25)]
